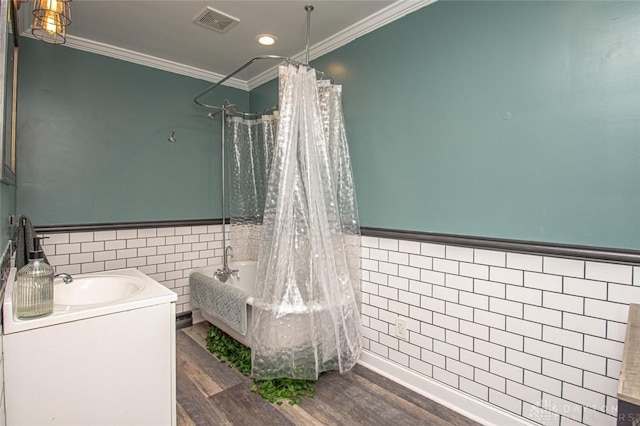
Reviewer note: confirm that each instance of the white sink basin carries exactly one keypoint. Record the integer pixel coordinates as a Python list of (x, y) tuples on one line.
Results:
[(89, 296), (94, 290)]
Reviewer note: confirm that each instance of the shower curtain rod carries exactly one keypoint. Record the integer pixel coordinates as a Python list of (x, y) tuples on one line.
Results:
[(309, 9), (257, 58), (219, 83)]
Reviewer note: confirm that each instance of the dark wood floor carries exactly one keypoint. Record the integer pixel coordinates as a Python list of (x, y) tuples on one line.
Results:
[(211, 393)]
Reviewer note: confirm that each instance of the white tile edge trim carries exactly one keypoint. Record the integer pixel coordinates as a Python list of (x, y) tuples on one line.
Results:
[(475, 409), (379, 19), (383, 17)]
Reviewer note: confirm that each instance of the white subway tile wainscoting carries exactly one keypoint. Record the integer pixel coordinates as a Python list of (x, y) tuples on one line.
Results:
[(538, 336), (166, 254), (527, 338)]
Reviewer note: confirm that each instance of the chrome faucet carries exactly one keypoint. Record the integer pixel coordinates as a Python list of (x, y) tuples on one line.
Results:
[(66, 278), (223, 274), (228, 252)]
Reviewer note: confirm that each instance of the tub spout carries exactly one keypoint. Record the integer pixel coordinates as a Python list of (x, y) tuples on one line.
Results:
[(228, 252)]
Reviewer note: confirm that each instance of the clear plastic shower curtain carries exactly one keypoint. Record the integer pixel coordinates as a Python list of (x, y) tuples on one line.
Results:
[(305, 312), (251, 144)]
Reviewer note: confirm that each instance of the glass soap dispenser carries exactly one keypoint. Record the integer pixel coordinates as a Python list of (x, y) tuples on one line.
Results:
[(33, 293)]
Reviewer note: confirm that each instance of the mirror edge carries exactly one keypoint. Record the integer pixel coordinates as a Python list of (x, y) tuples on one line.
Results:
[(9, 13)]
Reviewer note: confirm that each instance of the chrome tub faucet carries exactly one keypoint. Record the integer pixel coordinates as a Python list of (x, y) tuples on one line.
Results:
[(223, 274)]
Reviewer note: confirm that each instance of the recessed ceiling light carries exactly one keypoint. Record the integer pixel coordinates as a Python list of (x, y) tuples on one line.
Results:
[(266, 39)]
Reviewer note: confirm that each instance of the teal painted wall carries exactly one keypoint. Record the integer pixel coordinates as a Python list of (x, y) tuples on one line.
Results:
[(516, 120), (503, 119), (265, 96), (92, 140)]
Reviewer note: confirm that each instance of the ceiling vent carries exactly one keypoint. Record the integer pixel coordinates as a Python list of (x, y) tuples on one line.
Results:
[(215, 20)]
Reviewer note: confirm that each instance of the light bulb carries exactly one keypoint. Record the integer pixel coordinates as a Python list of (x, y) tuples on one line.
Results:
[(50, 22)]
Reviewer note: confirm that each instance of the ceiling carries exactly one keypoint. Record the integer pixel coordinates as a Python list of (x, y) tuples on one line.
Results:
[(162, 33)]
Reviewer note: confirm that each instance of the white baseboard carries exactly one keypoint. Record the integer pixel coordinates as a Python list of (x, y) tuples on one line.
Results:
[(473, 408)]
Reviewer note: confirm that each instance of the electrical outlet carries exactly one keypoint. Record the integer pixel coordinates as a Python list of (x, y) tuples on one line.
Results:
[(401, 328)]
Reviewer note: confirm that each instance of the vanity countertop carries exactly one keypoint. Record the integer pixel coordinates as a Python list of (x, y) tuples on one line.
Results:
[(150, 293)]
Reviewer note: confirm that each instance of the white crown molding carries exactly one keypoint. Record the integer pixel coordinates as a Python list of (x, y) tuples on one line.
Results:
[(471, 407), (372, 22), (383, 17), (147, 60)]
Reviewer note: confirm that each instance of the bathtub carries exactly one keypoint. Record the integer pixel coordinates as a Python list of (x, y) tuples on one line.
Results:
[(290, 318), (244, 280)]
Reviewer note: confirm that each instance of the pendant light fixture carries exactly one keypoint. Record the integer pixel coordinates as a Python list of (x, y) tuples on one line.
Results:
[(50, 20)]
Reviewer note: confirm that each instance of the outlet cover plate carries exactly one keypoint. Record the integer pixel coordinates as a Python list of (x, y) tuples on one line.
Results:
[(401, 328)]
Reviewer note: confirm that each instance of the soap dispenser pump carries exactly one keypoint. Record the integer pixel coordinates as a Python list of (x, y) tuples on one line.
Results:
[(33, 293)]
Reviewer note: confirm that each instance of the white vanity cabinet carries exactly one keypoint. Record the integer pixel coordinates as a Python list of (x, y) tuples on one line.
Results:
[(116, 367), (3, 418)]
